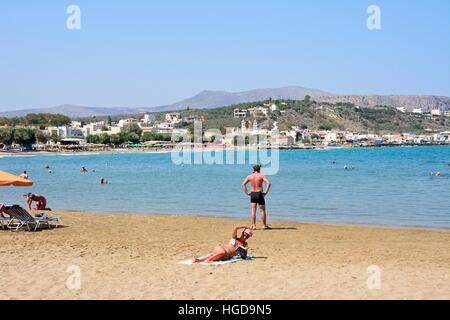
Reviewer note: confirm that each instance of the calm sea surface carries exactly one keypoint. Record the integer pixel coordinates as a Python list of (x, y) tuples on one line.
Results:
[(389, 186)]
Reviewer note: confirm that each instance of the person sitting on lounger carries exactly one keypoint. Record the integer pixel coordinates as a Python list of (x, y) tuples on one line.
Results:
[(40, 200), (234, 247), (24, 175), (3, 210)]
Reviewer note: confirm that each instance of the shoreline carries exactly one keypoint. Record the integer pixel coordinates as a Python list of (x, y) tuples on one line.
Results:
[(204, 148), (137, 256), (270, 220)]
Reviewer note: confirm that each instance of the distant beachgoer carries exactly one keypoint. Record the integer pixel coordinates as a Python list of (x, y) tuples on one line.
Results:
[(346, 167), (234, 247), (24, 175), (438, 174), (49, 171), (40, 200), (257, 194), (83, 169), (103, 181), (47, 167)]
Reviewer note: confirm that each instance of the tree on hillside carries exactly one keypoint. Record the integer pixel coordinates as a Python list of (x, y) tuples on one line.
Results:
[(41, 137), (6, 136), (152, 136), (46, 119), (133, 128), (307, 100), (4, 121), (24, 137)]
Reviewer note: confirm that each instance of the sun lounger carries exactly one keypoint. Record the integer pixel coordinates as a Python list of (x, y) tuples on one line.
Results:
[(21, 217), (4, 221)]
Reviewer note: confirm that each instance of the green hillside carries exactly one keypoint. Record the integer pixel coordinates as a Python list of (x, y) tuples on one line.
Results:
[(324, 116)]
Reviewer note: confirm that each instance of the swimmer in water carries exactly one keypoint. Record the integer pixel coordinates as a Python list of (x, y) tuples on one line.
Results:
[(83, 169), (103, 181)]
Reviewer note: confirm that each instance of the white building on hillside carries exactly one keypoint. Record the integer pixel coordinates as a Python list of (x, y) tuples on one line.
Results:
[(258, 112), (65, 132), (126, 122), (93, 128), (173, 117), (274, 107), (436, 112), (148, 119), (238, 113)]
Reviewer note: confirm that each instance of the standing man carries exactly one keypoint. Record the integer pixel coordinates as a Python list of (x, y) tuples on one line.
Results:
[(257, 194)]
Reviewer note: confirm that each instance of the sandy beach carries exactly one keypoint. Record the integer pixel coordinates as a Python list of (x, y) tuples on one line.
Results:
[(124, 256)]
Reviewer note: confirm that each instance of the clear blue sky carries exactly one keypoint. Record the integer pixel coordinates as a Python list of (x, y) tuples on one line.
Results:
[(149, 53)]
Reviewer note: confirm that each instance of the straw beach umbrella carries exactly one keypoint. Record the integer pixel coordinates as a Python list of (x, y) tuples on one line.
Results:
[(7, 179)]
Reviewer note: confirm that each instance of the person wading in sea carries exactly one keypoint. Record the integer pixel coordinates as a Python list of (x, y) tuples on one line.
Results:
[(257, 194)]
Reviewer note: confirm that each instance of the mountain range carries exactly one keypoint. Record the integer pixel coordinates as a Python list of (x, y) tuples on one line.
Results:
[(72, 111), (215, 99)]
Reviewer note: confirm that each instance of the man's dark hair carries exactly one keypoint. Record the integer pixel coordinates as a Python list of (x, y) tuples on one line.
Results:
[(256, 168)]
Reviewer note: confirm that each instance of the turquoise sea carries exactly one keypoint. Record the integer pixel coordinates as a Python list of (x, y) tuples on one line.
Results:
[(388, 186)]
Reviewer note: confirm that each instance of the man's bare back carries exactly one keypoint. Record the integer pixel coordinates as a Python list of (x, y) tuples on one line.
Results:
[(256, 180)]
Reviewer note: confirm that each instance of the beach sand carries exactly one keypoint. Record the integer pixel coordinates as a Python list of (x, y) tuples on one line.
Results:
[(124, 256)]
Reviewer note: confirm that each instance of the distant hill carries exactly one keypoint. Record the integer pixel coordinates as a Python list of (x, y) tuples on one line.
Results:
[(409, 102), (216, 99), (73, 111)]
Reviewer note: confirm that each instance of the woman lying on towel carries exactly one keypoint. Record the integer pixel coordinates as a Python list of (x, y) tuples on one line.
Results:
[(234, 247)]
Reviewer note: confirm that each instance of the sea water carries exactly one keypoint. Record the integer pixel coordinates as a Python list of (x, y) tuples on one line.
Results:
[(381, 186)]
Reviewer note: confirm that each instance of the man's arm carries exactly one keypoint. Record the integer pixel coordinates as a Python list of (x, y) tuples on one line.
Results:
[(29, 201), (268, 184), (244, 186)]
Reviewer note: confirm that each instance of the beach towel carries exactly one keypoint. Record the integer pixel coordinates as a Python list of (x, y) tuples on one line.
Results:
[(218, 263)]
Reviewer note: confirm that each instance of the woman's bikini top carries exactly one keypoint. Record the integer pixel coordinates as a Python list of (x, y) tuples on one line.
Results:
[(234, 243)]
